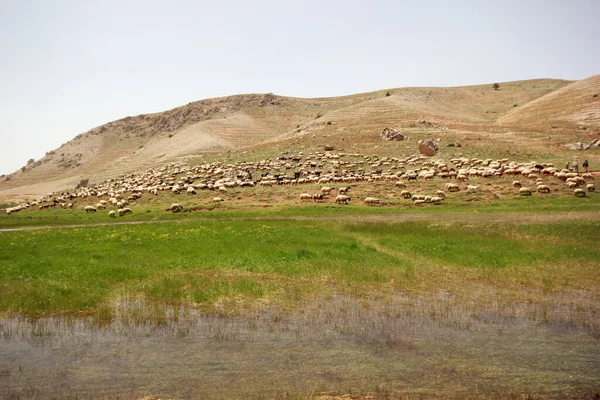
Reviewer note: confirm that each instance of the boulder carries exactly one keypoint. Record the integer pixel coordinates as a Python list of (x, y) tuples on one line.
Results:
[(392, 134), (577, 146), (427, 147)]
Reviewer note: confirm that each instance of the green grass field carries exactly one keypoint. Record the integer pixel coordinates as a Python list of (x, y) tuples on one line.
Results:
[(234, 264)]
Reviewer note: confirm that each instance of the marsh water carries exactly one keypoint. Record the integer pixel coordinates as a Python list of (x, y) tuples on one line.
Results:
[(403, 346)]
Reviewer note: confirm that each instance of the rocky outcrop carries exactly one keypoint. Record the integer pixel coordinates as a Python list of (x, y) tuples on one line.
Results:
[(432, 124), (583, 146), (392, 134)]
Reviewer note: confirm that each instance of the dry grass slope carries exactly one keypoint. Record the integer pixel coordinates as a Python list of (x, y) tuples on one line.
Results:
[(245, 121), (573, 105)]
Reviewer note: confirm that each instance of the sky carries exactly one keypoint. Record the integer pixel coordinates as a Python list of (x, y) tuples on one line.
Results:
[(69, 66)]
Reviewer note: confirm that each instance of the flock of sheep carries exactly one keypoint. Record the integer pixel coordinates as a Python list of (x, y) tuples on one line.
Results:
[(320, 169)]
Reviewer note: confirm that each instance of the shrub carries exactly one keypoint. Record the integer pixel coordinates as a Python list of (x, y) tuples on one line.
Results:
[(496, 86)]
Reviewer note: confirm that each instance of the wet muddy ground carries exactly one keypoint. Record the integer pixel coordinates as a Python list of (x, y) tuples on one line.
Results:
[(435, 348)]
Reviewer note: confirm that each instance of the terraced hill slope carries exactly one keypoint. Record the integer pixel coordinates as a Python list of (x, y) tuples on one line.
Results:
[(245, 121), (577, 104)]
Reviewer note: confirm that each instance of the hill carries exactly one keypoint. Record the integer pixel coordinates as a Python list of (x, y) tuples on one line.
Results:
[(254, 122), (576, 104)]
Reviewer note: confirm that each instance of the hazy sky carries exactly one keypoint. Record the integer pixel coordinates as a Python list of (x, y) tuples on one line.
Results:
[(68, 66)]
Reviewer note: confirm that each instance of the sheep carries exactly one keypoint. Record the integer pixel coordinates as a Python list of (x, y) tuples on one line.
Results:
[(543, 189), (452, 187), (217, 199), (124, 211), (343, 190), (372, 201), (590, 187), (326, 189), (112, 214), (405, 194), (472, 188), (579, 192), (441, 194), (305, 197), (191, 190), (342, 199), (588, 176), (517, 184), (525, 191), (436, 200), (175, 207), (89, 209), (100, 206), (418, 202), (400, 184), (318, 197)]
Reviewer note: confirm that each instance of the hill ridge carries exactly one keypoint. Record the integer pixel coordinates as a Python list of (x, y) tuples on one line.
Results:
[(246, 120)]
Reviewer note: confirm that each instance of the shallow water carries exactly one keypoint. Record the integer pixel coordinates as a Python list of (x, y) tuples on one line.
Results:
[(341, 345)]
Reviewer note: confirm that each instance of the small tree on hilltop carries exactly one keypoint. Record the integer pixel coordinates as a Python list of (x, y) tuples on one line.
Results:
[(496, 86)]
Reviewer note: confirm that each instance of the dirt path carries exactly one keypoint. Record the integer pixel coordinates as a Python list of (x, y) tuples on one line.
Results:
[(472, 217)]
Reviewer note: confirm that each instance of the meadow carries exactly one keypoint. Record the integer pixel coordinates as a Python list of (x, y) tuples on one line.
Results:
[(489, 295), (234, 264)]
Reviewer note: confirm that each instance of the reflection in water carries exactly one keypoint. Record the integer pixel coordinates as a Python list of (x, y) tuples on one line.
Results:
[(438, 347)]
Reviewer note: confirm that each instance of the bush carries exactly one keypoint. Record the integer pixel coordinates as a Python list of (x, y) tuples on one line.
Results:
[(496, 86), (388, 94)]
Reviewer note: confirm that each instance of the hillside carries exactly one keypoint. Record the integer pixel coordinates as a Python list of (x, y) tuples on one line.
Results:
[(245, 121), (577, 104)]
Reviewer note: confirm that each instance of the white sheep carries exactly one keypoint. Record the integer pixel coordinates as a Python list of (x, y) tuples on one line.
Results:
[(400, 184), (112, 214), (579, 192), (191, 190), (405, 194), (175, 207), (590, 187), (124, 211), (342, 199), (217, 199), (472, 188), (543, 189), (372, 201), (525, 191), (89, 209), (305, 197), (452, 187), (436, 200), (441, 194)]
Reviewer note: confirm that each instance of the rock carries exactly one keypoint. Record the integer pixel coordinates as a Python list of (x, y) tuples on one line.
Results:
[(595, 143), (427, 147), (577, 146), (392, 134), (432, 124)]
